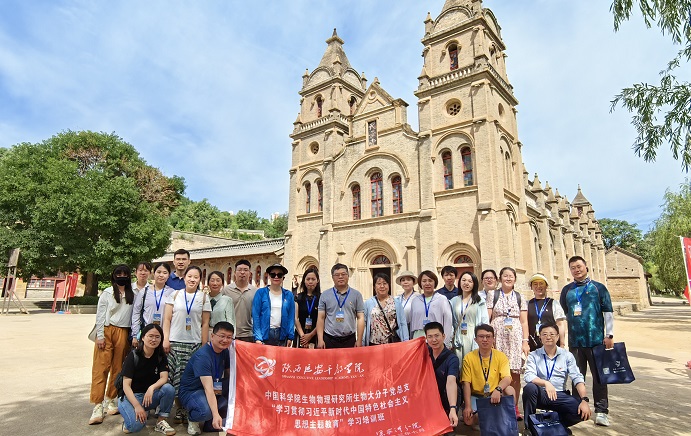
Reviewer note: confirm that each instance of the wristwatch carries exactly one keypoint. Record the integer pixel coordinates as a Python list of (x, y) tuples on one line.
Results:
[(586, 399), (453, 407), (499, 389), (610, 336)]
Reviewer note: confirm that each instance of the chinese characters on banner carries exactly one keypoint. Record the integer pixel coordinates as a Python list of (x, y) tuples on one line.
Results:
[(379, 391)]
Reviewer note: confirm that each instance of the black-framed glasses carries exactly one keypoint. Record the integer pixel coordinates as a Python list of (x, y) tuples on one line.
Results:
[(274, 275)]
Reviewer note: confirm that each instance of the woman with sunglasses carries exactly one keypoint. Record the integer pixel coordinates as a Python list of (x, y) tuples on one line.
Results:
[(273, 311)]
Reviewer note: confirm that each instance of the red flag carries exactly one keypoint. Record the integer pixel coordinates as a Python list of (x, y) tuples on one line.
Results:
[(686, 248), (687, 295), (379, 390)]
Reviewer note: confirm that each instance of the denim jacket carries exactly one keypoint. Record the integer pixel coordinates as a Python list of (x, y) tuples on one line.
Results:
[(261, 315)]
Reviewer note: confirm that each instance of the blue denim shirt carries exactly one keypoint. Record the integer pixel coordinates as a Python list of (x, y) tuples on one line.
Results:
[(261, 315), (564, 365)]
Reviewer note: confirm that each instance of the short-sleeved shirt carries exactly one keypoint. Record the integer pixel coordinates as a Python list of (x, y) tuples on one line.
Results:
[(587, 329), (175, 282), (198, 302), (448, 294), (242, 302), (449, 366), (551, 313), (205, 362), (351, 305), (472, 370), (146, 373)]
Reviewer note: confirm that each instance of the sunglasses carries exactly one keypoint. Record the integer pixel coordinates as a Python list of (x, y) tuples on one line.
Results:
[(273, 275)]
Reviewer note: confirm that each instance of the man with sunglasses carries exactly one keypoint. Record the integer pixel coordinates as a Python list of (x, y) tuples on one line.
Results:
[(341, 313), (273, 311), (546, 375), (204, 384)]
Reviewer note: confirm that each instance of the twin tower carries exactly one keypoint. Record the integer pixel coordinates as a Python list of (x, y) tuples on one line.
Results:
[(368, 190)]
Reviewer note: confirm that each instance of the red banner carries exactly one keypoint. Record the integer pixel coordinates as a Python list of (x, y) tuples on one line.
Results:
[(380, 390), (686, 248)]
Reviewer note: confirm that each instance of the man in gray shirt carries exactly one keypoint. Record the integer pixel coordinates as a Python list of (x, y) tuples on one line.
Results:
[(242, 294), (341, 313)]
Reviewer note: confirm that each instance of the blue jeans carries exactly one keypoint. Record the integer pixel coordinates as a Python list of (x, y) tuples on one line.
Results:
[(198, 409), (162, 398), (535, 397), (275, 337)]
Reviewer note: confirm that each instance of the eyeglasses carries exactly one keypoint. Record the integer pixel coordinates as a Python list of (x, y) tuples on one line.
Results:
[(548, 335), (274, 275), (340, 275), (223, 337)]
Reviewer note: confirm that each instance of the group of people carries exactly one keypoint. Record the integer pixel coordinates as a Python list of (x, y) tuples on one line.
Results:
[(478, 338)]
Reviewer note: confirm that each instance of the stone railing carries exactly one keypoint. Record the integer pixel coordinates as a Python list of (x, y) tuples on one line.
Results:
[(499, 78), (449, 77)]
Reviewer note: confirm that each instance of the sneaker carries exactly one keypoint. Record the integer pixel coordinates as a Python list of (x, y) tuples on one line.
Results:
[(124, 429), (164, 427), (112, 407), (97, 414), (180, 416), (193, 428), (602, 419)]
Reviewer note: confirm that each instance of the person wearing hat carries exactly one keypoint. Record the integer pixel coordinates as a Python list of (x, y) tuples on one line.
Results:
[(406, 280), (543, 310), (273, 311)]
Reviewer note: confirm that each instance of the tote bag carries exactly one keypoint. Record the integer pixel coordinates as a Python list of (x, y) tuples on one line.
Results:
[(613, 365), (547, 424), (497, 419)]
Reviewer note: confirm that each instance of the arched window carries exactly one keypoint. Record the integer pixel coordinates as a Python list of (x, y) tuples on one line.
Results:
[(229, 275), (320, 104), (372, 133), (508, 170), (320, 195), (467, 160), (356, 202), (377, 197), (308, 196), (258, 275), (203, 283), (351, 104), (453, 56), (536, 247), (448, 170), (463, 259), (397, 194), (380, 260)]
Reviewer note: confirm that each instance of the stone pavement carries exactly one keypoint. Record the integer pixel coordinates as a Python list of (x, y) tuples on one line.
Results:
[(45, 372)]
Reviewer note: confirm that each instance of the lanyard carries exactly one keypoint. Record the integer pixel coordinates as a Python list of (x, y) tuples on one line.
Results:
[(541, 311), (508, 303), (310, 306), (158, 300), (463, 309), (217, 374), (485, 374), (338, 300), (427, 306), (579, 295), (554, 362), (189, 307), (408, 299)]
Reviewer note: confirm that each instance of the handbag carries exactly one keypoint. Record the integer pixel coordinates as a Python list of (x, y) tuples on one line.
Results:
[(92, 334), (546, 424), (394, 336), (613, 365), (497, 419)]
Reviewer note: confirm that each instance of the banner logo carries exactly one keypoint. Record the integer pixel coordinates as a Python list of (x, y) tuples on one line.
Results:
[(265, 367)]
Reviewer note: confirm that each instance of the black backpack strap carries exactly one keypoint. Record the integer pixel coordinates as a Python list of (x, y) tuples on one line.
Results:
[(141, 312)]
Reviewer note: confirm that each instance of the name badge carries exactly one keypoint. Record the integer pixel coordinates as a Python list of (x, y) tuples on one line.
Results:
[(508, 323), (340, 315), (425, 322), (464, 328), (487, 389), (537, 329), (188, 323), (577, 309), (218, 387), (157, 318), (308, 324)]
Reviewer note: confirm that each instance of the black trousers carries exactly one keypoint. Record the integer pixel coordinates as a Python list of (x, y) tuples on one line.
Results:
[(535, 397), (584, 359), (339, 341)]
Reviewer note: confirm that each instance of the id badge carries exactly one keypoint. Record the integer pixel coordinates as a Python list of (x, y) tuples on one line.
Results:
[(218, 387), (508, 323), (537, 329), (308, 324), (188, 323), (464, 328), (425, 322), (157, 319), (577, 309), (340, 315), (487, 389)]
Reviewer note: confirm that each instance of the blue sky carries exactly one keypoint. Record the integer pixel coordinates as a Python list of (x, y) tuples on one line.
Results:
[(208, 89)]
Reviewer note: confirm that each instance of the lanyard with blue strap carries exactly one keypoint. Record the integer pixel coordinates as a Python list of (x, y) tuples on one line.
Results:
[(547, 370), (340, 315), (578, 308), (539, 315), (308, 320), (427, 306), (188, 319), (218, 382)]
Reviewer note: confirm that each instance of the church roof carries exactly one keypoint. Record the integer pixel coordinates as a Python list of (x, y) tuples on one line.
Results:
[(579, 199), (455, 3), (334, 52)]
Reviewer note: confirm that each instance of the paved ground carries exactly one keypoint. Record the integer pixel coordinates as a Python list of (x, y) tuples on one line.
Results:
[(45, 371)]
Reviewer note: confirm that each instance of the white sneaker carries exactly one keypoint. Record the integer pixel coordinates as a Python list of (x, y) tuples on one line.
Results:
[(112, 406), (193, 428), (97, 414), (602, 419), (164, 427)]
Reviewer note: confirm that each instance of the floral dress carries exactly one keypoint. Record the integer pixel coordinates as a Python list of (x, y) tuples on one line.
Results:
[(508, 340), (379, 332)]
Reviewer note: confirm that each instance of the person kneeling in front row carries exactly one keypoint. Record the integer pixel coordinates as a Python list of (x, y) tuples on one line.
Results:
[(145, 384), (486, 373), (204, 384), (546, 373)]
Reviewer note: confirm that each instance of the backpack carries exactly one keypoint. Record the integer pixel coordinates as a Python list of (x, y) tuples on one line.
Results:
[(120, 377), (496, 297), (141, 313)]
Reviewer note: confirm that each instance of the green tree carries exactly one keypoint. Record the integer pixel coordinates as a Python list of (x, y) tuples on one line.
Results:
[(670, 99), (248, 220), (665, 251), (83, 200), (622, 234), (200, 217), (278, 227)]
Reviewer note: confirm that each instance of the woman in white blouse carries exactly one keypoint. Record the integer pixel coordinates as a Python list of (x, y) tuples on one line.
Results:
[(113, 321)]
